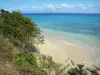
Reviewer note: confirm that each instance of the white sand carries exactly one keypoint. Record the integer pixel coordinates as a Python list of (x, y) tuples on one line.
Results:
[(62, 50)]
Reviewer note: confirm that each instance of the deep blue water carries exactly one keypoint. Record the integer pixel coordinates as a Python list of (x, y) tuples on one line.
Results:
[(83, 27), (75, 23)]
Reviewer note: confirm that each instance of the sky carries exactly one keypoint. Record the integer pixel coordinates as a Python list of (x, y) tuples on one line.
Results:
[(51, 6)]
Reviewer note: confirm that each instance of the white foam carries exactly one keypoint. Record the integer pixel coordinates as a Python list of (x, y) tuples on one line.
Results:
[(68, 43), (65, 42)]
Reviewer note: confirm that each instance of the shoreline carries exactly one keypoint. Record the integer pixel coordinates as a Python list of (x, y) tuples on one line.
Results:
[(65, 42), (62, 51), (89, 41)]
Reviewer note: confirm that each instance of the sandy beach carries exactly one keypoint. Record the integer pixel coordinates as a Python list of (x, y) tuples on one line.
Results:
[(62, 51)]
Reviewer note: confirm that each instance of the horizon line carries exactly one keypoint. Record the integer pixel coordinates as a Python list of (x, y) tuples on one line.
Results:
[(54, 13)]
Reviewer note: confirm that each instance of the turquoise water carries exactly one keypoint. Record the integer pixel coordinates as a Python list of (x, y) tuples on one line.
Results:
[(79, 29)]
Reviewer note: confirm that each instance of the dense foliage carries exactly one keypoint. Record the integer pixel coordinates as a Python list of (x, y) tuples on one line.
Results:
[(19, 29), (25, 58)]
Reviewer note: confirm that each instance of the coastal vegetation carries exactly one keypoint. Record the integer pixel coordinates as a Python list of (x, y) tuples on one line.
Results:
[(19, 56)]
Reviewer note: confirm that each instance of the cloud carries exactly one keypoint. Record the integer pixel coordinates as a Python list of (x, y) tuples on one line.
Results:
[(82, 6), (87, 7), (64, 5), (71, 7), (60, 8), (54, 7), (48, 6), (34, 7), (27, 8), (23, 8)]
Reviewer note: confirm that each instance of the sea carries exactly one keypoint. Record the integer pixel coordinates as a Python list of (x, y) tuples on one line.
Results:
[(80, 29)]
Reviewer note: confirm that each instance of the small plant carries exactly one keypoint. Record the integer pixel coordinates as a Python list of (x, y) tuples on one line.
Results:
[(50, 66), (25, 60), (27, 64)]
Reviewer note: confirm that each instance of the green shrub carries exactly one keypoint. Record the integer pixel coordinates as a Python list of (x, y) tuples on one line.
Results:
[(26, 60), (26, 63)]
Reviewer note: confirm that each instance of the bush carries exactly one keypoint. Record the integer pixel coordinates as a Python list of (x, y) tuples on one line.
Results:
[(26, 63), (14, 26), (25, 59), (50, 66)]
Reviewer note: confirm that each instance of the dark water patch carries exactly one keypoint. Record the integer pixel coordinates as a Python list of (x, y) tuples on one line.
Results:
[(76, 28), (96, 29), (99, 39)]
